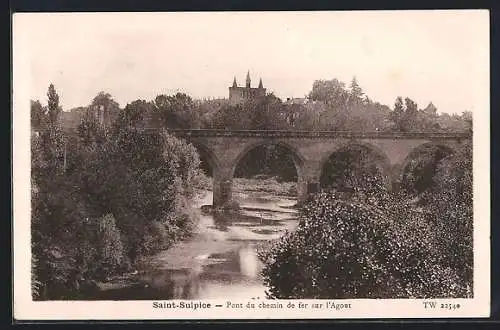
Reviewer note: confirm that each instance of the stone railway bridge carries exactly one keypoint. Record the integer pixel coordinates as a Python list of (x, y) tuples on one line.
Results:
[(311, 150)]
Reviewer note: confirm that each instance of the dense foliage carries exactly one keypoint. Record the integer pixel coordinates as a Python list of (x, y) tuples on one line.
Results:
[(450, 210), (330, 105), (107, 191), (419, 174), (369, 243), (353, 167), (104, 197)]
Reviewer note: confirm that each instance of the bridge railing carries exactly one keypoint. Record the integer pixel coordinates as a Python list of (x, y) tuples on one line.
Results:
[(307, 134), (317, 134)]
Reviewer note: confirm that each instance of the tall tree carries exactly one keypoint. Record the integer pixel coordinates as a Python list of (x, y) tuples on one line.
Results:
[(410, 118), (50, 227), (355, 90), (53, 104), (397, 114)]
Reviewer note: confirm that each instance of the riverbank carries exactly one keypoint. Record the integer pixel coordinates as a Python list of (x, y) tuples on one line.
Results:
[(222, 249)]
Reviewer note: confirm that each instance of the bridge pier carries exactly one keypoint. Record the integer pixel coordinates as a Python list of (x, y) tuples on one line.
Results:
[(222, 188), (305, 189), (308, 179)]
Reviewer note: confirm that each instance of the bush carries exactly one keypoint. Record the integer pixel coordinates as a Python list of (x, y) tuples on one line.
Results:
[(352, 169), (420, 174), (450, 211), (359, 245), (112, 254)]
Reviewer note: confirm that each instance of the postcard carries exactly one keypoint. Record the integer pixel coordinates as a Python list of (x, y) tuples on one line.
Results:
[(251, 165)]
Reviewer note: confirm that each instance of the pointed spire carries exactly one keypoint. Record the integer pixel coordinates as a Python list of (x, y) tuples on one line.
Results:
[(234, 82), (248, 79), (260, 83)]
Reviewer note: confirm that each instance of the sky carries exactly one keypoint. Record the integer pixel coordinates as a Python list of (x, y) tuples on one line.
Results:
[(438, 56)]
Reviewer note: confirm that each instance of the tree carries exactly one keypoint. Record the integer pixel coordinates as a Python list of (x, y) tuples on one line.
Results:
[(344, 108), (138, 113), (397, 115), (177, 111), (420, 174), (54, 207), (410, 116), (105, 100), (142, 178), (50, 143), (331, 92), (230, 117), (265, 113), (356, 91), (53, 104), (404, 116), (38, 115), (104, 108), (111, 249)]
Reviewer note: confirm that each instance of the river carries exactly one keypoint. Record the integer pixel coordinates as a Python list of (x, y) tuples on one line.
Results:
[(220, 260)]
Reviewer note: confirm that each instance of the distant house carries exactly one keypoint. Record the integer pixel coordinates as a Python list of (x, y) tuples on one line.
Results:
[(296, 100)]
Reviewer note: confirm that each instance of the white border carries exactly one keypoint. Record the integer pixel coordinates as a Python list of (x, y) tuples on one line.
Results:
[(24, 308)]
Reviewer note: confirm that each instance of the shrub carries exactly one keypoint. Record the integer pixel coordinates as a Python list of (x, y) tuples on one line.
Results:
[(450, 211), (352, 168), (112, 254), (420, 173), (359, 245)]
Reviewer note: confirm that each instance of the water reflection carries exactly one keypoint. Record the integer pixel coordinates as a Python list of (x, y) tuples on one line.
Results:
[(220, 261), (249, 263), (221, 221)]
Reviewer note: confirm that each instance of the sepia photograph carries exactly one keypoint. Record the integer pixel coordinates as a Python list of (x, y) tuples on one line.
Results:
[(251, 164)]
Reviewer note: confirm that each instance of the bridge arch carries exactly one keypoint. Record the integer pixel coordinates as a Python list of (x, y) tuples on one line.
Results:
[(383, 163), (206, 152), (298, 158), (412, 157), (310, 151)]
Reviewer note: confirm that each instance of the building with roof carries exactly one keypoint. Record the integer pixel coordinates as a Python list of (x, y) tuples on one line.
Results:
[(238, 95)]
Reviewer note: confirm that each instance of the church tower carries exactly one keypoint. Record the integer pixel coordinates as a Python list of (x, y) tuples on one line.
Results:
[(239, 95)]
